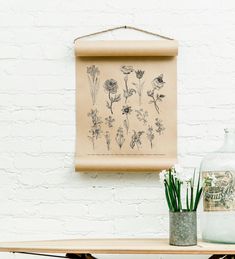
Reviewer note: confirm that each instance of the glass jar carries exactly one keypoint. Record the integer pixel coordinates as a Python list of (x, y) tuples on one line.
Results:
[(218, 173)]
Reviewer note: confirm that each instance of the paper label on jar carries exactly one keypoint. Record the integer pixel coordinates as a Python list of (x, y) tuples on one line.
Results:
[(218, 191)]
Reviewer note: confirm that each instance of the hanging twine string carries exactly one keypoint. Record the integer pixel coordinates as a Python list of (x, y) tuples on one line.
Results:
[(122, 27)]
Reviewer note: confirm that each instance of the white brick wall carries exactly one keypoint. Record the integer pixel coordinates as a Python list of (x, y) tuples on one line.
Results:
[(40, 195)]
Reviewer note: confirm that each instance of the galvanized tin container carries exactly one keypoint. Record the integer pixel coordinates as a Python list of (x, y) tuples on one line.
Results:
[(183, 228)]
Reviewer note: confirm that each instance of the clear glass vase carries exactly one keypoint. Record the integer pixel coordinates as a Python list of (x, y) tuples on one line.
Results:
[(218, 172)]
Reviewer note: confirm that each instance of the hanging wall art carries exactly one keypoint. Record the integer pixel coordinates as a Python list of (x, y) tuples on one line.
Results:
[(125, 105)]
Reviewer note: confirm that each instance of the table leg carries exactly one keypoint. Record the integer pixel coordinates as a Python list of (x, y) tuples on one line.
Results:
[(80, 256), (222, 257), (67, 256)]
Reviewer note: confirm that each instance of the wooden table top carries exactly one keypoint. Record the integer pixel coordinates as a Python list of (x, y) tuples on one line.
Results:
[(114, 246)]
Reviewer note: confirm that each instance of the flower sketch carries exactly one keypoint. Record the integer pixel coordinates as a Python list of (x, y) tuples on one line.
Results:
[(139, 73), (150, 135), (142, 115), (126, 110), (120, 139), (127, 92), (106, 127), (107, 139), (160, 127), (109, 121), (135, 139), (157, 83), (95, 130), (111, 87), (139, 87), (127, 70), (93, 73)]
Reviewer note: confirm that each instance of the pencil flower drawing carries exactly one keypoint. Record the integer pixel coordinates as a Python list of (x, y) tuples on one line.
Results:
[(139, 86), (127, 92), (136, 139), (95, 129), (159, 126), (142, 115), (109, 121), (150, 135), (126, 110), (136, 128), (111, 87), (107, 139), (126, 70), (93, 73), (120, 139), (157, 84)]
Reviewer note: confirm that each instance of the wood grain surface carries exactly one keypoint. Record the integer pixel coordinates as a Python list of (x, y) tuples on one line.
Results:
[(115, 246)]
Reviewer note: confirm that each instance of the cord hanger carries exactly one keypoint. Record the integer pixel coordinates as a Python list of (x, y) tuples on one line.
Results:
[(122, 27)]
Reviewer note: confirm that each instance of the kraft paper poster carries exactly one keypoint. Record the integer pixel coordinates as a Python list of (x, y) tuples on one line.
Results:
[(126, 105)]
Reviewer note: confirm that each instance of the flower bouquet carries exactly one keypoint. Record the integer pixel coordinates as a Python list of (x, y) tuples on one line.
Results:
[(182, 204)]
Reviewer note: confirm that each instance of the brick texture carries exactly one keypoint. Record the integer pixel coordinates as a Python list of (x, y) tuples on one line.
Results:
[(40, 195)]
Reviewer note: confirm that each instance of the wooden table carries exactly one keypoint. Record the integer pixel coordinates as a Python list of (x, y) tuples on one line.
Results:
[(83, 248)]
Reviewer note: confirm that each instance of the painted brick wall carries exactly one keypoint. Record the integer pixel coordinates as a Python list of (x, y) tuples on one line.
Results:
[(40, 195)]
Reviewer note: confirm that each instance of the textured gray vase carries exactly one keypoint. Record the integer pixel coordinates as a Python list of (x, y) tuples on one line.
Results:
[(183, 228)]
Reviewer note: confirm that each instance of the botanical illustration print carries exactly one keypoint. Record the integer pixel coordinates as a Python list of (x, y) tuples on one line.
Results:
[(150, 135), (142, 115), (120, 139), (219, 193), (94, 81), (95, 129), (126, 110), (109, 121), (121, 136), (157, 84), (111, 87), (136, 139), (159, 126), (139, 87), (107, 139), (128, 92)]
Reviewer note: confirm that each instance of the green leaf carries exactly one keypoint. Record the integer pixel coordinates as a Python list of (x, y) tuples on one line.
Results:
[(191, 200), (173, 190), (171, 196), (168, 199), (187, 200), (197, 199), (198, 193), (179, 195)]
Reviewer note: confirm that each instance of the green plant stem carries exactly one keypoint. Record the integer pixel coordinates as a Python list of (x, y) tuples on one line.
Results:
[(168, 198), (197, 199), (191, 200), (179, 196), (187, 201), (198, 193), (173, 193), (171, 196)]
